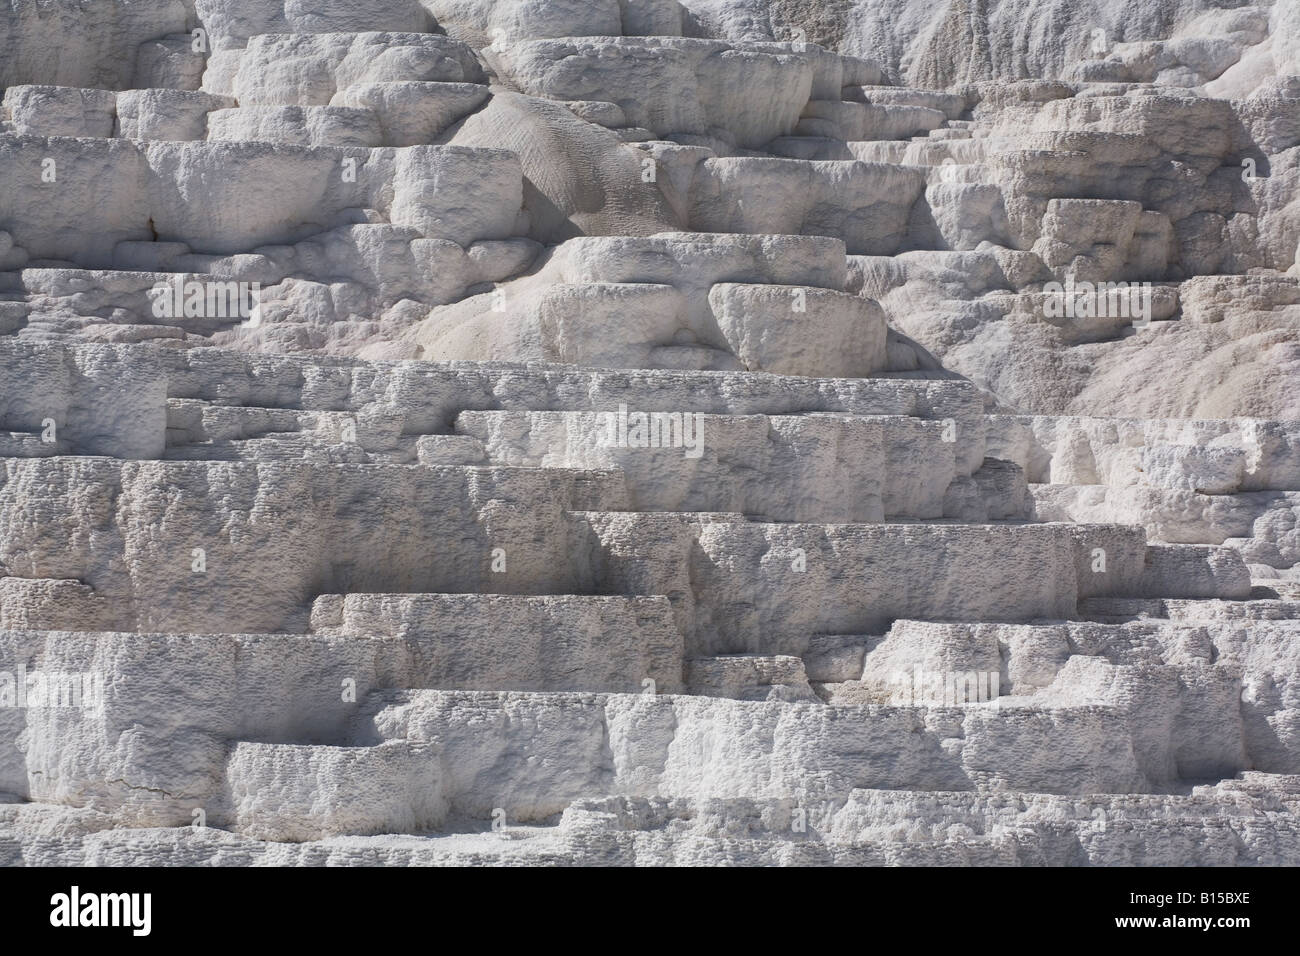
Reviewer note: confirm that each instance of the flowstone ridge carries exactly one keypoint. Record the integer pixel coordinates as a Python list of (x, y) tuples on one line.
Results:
[(650, 432)]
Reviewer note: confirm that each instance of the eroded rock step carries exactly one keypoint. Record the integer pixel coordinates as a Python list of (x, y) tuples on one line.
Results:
[(466, 604)]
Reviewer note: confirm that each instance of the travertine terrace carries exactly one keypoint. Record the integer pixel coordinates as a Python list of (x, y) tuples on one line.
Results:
[(650, 432)]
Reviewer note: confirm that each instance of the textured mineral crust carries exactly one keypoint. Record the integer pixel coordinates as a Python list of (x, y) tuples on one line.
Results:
[(642, 432)]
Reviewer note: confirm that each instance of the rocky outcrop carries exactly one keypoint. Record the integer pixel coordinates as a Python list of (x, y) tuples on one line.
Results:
[(705, 432)]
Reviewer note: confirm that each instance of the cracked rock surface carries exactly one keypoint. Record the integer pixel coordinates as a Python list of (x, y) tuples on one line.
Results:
[(673, 432)]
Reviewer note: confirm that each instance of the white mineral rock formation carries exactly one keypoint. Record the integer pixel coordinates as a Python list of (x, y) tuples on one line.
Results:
[(668, 431)]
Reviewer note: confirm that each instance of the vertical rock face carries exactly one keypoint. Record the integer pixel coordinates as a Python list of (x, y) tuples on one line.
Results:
[(872, 428)]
